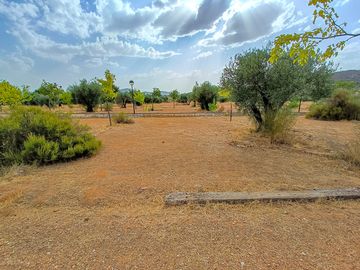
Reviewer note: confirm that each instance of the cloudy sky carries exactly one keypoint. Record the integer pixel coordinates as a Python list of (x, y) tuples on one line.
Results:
[(158, 43)]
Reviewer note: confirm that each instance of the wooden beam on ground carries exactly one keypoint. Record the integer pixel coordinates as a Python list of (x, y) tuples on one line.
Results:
[(179, 198)]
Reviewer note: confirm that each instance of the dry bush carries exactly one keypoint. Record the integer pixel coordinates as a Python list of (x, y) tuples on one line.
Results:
[(342, 105), (351, 152), (122, 118), (278, 125)]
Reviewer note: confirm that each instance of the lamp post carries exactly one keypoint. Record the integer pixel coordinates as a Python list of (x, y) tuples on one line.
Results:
[(132, 94)]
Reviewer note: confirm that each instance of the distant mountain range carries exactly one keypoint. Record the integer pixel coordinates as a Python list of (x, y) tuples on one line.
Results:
[(347, 75)]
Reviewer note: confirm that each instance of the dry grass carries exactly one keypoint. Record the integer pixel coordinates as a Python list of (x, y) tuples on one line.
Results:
[(107, 212), (351, 151), (8, 173)]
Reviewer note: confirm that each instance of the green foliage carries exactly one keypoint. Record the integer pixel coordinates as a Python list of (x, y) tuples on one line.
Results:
[(343, 105), (139, 97), (31, 135), (9, 95), (107, 87), (66, 98), (174, 95), (156, 95), (108, 106), (305, 46), (205, 94), (122, 98), (122, 118), (87, 94), (49, 94), (224, 95), (293, 103), (38, 150), (278, 124), (26, 95), (184, 97), (260, 88), (347, 85), (213, 107)]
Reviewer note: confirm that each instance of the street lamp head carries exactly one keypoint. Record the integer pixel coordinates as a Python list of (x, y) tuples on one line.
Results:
[(131, 83)]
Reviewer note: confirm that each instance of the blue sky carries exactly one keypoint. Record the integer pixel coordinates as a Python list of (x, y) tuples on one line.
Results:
[(168, 44)]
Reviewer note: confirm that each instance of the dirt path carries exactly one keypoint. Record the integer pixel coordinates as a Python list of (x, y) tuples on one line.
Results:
[(107, 212)]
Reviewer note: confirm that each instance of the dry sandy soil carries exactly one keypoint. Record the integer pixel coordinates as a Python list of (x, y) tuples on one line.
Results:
[(107, 212), (166, 107)]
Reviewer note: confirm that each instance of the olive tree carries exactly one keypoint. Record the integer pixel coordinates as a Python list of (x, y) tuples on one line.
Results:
[(122, 98), (262, 88), (87, 94), (205, 94), (49, 94), (174, 95)]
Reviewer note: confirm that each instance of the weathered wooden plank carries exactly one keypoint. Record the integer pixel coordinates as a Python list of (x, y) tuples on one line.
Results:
[(179, 198)]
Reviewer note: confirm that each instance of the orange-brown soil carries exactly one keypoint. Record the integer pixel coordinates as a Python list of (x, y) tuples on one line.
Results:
[(107, 212), (167, 107)]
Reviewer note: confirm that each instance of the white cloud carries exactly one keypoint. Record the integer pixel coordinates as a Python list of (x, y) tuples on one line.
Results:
[(67, 17), (203, 55), (17, 61), (257, 19), (349, 58), (340, 3)]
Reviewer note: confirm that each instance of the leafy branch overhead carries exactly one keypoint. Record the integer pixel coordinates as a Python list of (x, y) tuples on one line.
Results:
[(304, 46)]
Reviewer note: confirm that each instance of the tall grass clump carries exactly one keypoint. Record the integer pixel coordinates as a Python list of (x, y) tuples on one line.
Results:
[(342, 105), (34, 136), (122, 118), (351, 152), (278, 124)]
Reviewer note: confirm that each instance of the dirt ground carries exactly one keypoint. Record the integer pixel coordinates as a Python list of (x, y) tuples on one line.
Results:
[(166, 107), (107, 212)]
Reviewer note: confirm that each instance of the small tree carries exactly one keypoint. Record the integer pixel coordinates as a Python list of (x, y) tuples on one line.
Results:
[(205, 94), (174, 95), (108, 91), (184, 97), (156, 93), (122, 98), (139, 97), (87, 94), (9, 95), (51, 92), (108, 88), (261, 88)]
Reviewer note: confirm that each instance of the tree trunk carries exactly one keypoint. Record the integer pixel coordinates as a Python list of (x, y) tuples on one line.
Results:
[(299, 104), (257, 116), (109, 116)]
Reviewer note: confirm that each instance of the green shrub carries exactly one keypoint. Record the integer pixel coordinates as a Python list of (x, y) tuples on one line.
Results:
[(38, 150), (122, 118), (342, 105), (277, 125), (294, 103), (31, 135), (213, 107)]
